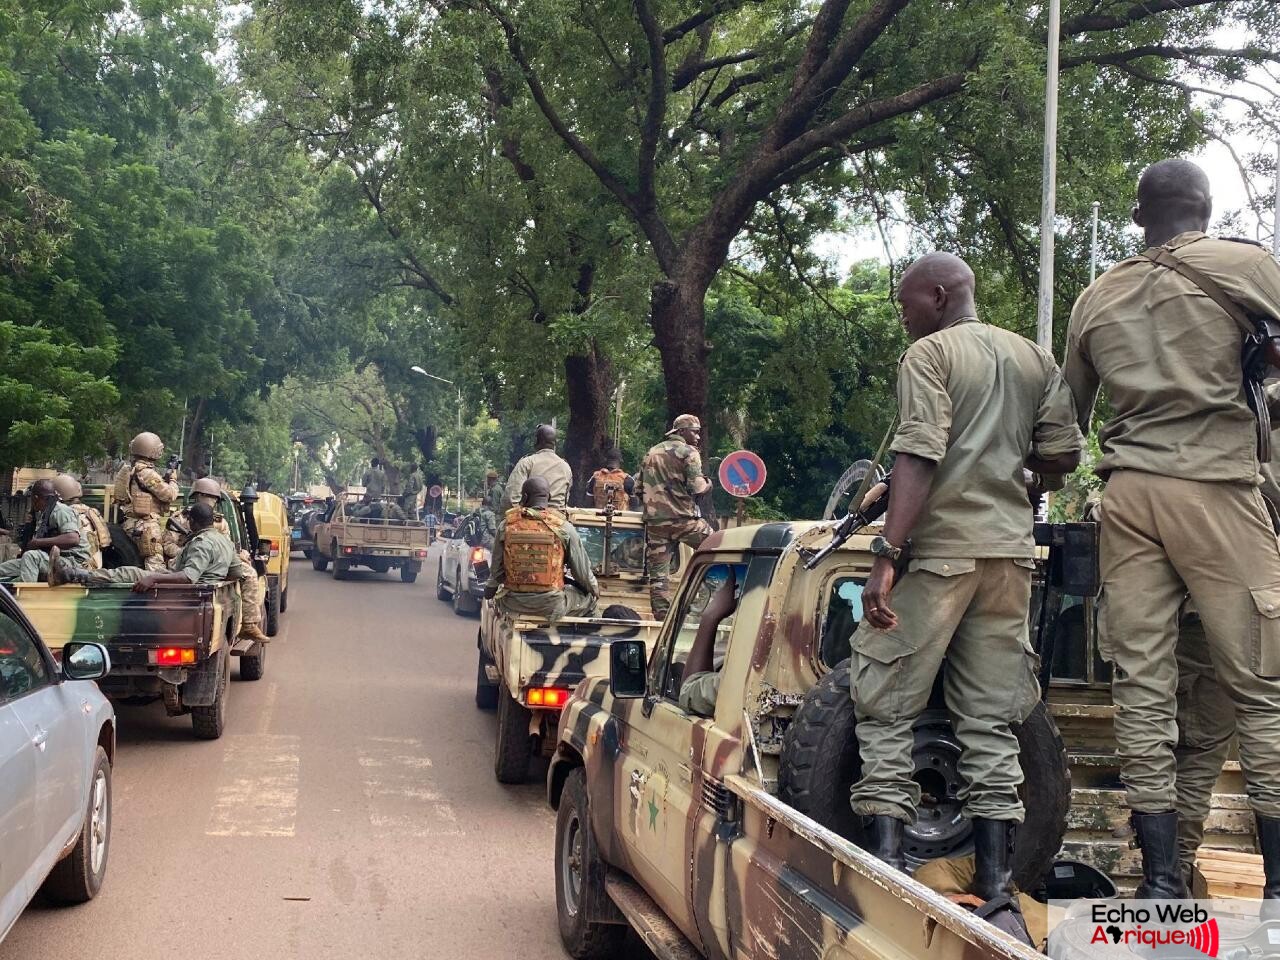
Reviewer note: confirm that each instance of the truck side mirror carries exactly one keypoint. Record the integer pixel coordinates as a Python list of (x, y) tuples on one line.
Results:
[(628, 669)]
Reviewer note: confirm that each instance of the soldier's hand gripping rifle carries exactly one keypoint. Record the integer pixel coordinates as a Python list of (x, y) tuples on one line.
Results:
[(872, 508)]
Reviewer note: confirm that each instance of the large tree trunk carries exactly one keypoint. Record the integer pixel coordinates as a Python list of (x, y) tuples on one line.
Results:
[(679, 332), (589, 384), (426, 437)]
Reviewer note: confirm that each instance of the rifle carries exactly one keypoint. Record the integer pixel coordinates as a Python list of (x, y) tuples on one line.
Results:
[(872, 508), (608, 530)]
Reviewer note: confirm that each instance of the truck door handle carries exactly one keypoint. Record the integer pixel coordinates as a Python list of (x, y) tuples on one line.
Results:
[(40, 737)]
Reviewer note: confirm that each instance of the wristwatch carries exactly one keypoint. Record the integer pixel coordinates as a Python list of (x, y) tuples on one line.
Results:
[(883, 548)]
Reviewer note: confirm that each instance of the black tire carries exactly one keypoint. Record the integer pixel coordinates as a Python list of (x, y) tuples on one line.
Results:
[(284, 600), (123, 552), (442, 592), (74, 878), (209, 722), (254, 664), (319, 561), (820, 762), (272, 621), (340, 566), (486, 692), (460, 600), (306, 552), (513, 748), (579, 890), (409, 573)]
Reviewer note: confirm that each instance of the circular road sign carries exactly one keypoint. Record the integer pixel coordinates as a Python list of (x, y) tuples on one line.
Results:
[(436, 491), (742, 474)]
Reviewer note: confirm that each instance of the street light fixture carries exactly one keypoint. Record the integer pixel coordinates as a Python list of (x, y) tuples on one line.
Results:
[(432, 376)]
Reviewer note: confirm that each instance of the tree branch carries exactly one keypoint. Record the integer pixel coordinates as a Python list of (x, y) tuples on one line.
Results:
[(690, 71), (689, 24), (1165, 52), (656, 109), (1098, 23)]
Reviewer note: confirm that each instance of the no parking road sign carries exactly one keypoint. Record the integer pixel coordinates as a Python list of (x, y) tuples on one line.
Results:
[(435, 491), (742, 474)]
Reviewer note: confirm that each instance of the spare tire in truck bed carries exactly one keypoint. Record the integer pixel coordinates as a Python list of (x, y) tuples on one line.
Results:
[(820, 763)]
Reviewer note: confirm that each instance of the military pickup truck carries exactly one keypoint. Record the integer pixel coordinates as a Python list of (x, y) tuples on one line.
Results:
[(732, 836), (527, 667), (349, 537), (173, 643)]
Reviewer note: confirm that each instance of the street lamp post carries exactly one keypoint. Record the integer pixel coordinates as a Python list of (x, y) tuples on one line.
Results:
[(1044, 312), (432, 376)]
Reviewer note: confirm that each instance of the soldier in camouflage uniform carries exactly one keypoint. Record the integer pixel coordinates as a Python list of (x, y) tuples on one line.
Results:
[(206, 491), (145, 496), (56, 526), (96, 532), (491, 507), (670, 477), (208, 557)]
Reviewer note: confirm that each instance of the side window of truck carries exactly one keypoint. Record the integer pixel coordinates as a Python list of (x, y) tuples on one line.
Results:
[(708, 579), (844, 613)]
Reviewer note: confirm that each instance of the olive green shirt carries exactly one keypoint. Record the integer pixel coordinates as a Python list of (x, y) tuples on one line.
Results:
[(548, 465), (544, 603), (63, 519), (978, 400), (208, 557), (1168, 358)]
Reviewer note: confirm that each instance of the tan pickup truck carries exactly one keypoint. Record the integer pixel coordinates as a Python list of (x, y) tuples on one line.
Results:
[(362, 533), (732, 835)]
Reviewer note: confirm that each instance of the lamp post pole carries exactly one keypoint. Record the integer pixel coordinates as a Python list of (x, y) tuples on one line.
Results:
[(432, 376), (1049, 188)]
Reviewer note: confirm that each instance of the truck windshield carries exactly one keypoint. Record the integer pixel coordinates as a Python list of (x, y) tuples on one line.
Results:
[(626, 551)]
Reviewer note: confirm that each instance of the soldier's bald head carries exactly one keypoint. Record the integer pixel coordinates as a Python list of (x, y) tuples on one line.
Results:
[(1173, 195), (544, 438), (935, 291), (200, 515), (535, 492)]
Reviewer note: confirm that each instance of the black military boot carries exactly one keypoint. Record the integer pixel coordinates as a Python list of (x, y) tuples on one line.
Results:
[(1269, 841), (1157, 836), (885, 836), (993, 858)]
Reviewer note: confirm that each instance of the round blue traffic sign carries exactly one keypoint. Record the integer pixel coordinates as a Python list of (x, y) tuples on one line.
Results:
[(742, 474)]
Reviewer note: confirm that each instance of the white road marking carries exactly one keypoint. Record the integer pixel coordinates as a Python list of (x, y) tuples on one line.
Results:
[(403, 801), (267, 713), (259, 793)]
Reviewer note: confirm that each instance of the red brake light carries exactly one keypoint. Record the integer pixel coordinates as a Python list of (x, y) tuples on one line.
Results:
[(173, 656), (547, 697), (419, 553), (477, 554), (348, 550)]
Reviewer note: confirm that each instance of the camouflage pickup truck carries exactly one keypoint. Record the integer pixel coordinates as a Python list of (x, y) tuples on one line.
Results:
[(732, 835), (527, 667), (355, 533)]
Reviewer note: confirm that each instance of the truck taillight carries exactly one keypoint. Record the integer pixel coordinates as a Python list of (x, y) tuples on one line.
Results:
[(172, 656), (420, 553), (477, 554), (274, 548), (547, 697), (348, 550)]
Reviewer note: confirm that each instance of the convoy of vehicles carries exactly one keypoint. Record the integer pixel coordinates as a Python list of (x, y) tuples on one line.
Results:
[(527, 667), (347, 539), (57, 747)]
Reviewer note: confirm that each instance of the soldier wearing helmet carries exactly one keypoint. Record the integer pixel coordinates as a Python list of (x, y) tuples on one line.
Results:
[(543, 462), (96, 532), (670, 478), (145, 496), (206, 490)]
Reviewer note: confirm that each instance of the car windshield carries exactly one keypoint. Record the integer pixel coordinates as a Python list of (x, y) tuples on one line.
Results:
[(626, 551)]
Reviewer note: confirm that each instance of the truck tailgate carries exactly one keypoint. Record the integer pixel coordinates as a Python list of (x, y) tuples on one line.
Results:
[(573, 649), (804, 878)]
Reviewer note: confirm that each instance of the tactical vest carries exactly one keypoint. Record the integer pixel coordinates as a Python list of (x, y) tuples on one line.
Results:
[(141, 502), (610, 478), (532, 552), (95, 530)]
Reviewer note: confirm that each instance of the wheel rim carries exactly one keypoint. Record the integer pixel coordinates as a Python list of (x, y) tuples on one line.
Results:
[(457, 593), (99, 823), (940, 829), (572, 853)]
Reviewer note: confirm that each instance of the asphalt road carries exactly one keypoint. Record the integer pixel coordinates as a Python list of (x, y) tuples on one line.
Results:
[(350, 809)]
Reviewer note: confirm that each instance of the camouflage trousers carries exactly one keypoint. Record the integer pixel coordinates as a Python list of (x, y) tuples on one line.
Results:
[(146, 534), (1162, 539), (250, 593), (973, 613), (663, 538)]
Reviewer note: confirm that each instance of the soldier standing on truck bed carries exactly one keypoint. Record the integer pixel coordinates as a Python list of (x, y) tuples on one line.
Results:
[(145, 496), (543, 462), (670, 478), (526, 576), (208, 557), (97, 534), (206, 491), (374, 480), (54, 525), (976, 404), (611, 483), (1182, 513)]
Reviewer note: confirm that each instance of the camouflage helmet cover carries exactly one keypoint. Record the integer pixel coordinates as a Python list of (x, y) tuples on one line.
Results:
[(68, 487), (147, 445), (207, 486), (686, 421)]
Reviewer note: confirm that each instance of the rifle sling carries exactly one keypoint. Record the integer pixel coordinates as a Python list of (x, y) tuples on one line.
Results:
[(1161, 256)]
